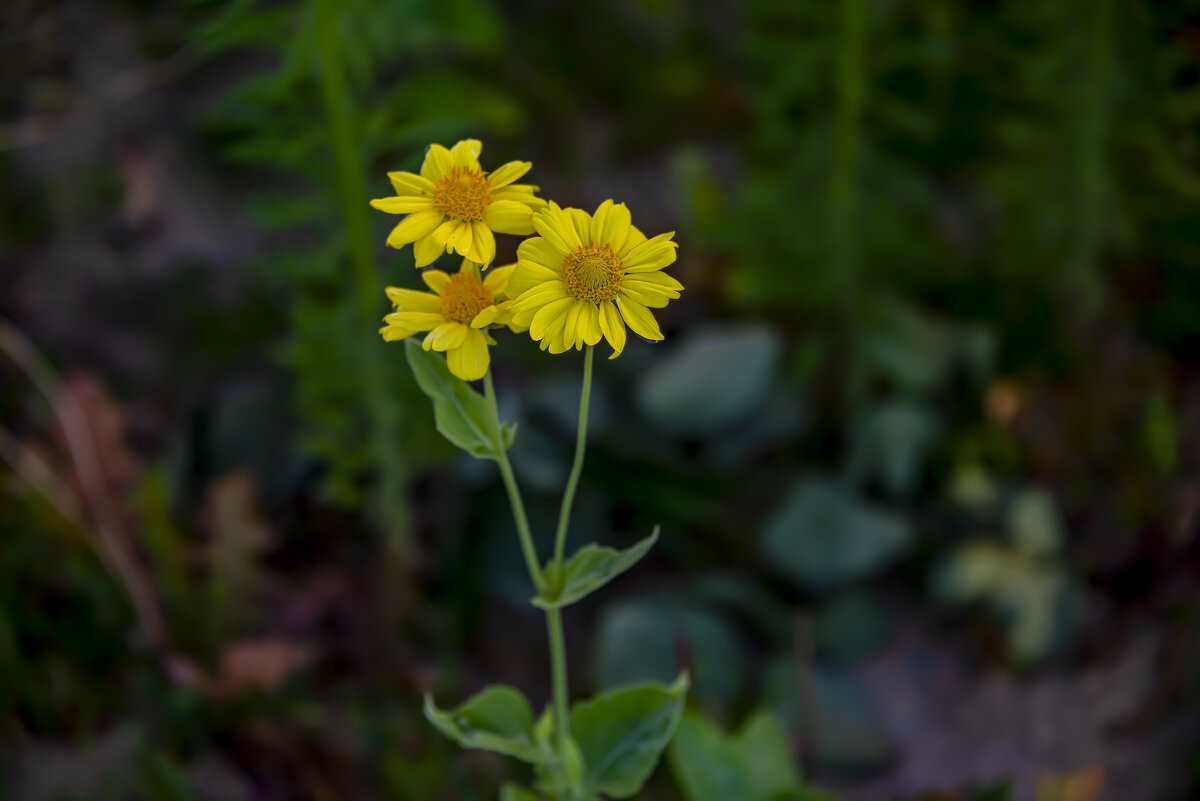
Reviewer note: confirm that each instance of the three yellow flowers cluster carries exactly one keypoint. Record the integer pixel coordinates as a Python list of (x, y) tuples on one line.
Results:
[(584, 278)]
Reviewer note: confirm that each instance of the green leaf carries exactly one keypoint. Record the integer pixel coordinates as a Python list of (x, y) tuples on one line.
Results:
[(588, 570), (622, 733), (460, 412), (890, 446), (497, 719), (754, 765), (515, 792), (731, 367), (1033, 523), (823, 536)]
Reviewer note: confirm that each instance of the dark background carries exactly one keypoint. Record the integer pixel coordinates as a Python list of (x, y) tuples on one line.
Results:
[(924, 436)]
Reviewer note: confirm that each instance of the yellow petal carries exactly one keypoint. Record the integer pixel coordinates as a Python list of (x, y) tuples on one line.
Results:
[(612, 327), (461, 239), (573, 332), (466, 153), (435, 280), (538, 250), (632, 240), (639, 318), (610, 225), (395, 333), (470, 360), (417, 321), (485, 317), (414, 227), (508, 173), (405, 204), (509, 217), (653, 300), (546, 314), (427, 250), (484, 251), (408, 183), (539, 296), (582, 221), (556, 226), (658, 279), (448, 335), (412, 300), (438, 162), (589, 322), (497, 279), (653, 254), (527, 276)]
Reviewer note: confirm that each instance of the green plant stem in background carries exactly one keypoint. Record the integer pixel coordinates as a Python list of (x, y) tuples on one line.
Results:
[(564, 514), (558, 672), (510, 485), (392, 473)]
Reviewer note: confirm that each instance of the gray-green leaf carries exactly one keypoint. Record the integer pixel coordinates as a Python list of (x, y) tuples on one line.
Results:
[(459, 411), (588, 570), (754, 765), (622, 733), (497, 719)]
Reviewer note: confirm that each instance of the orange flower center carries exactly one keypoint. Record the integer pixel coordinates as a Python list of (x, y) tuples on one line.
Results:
[(591, 273), (462, 194), (464, 296)]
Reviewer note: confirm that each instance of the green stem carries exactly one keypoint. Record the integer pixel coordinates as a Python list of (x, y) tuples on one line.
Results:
[(510, 485), (558, 670), (564, 513)]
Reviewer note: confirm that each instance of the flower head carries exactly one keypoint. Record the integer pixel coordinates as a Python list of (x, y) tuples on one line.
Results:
[(588, 276), (454, 206), (454, 314)]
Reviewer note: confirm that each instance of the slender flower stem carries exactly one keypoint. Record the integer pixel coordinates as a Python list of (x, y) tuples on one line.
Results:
[(510, 484), (564, 514), (558, 670)]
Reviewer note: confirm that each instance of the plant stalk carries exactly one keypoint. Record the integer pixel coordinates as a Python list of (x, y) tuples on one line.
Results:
[(564, 514)]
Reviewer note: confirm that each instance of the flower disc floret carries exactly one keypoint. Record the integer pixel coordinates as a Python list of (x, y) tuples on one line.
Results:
[(592, 273), (464, 296), (463, 194)]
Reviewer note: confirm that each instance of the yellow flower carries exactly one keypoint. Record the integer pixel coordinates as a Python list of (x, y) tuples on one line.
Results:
[(587, 277), (454, 206), (454, 314)]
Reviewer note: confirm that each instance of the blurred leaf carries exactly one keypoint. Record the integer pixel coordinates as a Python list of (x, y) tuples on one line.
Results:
[(515, 792), (651, 638), (756, 764), (891, 445), (851, 625), (1033, 523), (497, 719), (461, 412), (588, 570), (823, 536), (718, 376), (622, 733), (1161, 433), (833, 715)]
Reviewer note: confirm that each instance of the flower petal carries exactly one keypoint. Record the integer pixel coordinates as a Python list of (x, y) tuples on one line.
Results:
[(438, 162), (485, 317), (653, 300), (557, 227), (538, 250), (547, 314), (466, 153), (435, 280), (653, 254), (470, 360), (509, 217), (612, 327), (449, 334), (427, 250), (539, 296), (497, 279), (634, 238), (395, 333), (417, 321), (405, 204), (412, 300), (573, 332), (414, 227), (409, 183), (589, 324), (484, 250), (658, 279), (583, 225), (527, 276), (610, 225), (639, 318), (508, 173)]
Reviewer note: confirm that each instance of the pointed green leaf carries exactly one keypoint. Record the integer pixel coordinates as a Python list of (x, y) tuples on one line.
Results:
[(622, 733), (588, 570), (497, 719), (515, 792), (763, 748), (459, 411), (754, 765)]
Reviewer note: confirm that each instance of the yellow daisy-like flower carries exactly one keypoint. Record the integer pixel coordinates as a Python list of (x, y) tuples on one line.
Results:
[(454, 206), (454, 314), (588, 276)]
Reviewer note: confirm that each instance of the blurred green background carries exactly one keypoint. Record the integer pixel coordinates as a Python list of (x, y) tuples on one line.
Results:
[(924, 436)]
